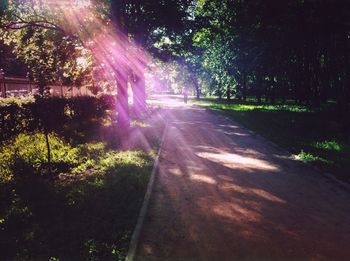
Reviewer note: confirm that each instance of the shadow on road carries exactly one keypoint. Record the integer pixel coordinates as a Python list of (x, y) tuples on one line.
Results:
[(222, 193)]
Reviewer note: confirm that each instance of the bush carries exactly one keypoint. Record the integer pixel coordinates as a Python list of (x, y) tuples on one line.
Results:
[(87, 215), (30, 115), (27, 154), (14, 117)]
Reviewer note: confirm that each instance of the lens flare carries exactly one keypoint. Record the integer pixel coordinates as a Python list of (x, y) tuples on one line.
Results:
[(115, 55)]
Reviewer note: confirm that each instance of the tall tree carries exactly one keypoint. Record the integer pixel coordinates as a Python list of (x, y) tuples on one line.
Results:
[(145, 22)]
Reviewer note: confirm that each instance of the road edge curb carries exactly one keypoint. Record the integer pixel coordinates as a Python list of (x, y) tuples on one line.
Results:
[(140, 220)]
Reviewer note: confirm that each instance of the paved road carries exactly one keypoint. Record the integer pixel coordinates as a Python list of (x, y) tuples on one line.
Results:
[(222, 193)]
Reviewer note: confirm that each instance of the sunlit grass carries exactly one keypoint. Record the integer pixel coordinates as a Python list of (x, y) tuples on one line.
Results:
[(88, 211), (115, 160), (329, 145), (139, 124), (251, 107), (28, 152), (87, 207), (308, 157)]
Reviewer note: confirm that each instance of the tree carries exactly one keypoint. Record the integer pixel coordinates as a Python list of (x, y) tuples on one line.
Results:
[(49, 54), (37, 39), (289, 49), (145, 22)]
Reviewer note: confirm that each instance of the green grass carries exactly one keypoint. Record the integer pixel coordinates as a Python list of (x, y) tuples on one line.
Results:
[(314, 135), (252, 107), (87, 212), (86, 209)]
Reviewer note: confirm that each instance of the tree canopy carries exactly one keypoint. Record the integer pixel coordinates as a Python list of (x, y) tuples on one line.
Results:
[(270, 50)]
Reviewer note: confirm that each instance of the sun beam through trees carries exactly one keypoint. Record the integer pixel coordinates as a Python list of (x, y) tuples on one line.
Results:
[(92, 90)]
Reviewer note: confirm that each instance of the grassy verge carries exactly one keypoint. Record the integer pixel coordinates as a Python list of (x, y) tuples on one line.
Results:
[(88, 207), (314, 135), (87, 213)]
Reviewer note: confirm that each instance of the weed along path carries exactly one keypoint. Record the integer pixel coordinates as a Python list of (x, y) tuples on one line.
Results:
[(222, 193)]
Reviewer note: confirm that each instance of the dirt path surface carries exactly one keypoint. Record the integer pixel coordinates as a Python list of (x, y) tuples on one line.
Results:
[(222, 193)]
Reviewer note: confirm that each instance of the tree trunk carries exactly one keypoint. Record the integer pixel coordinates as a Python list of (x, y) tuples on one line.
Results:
[(196, 86), (44, 121), (272, 92), (345, 88), (139, 94), (244, 87), (228, 93), (258, 86), (220, 94), (123, 117), (48, 150)]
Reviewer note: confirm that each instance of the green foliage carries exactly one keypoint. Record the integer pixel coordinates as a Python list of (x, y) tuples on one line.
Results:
[(88, 215), (114, 160), (308, 157), (87, 208), (170, 77), (329, 145), (251, 107), (18, 102), (273, 50), (35, 33), (27, 154), (29, 115)]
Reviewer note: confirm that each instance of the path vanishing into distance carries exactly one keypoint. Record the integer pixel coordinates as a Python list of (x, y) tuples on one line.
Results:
[(223, 193)]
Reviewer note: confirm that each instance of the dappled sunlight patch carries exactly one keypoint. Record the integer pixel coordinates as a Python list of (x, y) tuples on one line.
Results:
[(225, 178), (166, 102), (240, 134), (229, 126), (203, 179), (145, 132), (106, 122), (232, 160), (176, 172), (148, 249), (124, 158), (259, 193), (28, 153), (285, 157), (236, 211), (140, 124)]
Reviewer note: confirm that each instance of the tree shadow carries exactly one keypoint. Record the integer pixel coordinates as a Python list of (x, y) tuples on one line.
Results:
[(298, 132), (230, 196)]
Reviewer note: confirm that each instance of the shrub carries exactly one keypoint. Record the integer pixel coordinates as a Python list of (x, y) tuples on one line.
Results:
[(30, 115), (308, 157), (14, 118), (87, 217), (26, 154), (329, 145)]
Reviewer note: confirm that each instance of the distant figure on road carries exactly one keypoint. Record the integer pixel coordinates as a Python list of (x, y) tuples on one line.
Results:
[(185, 93)]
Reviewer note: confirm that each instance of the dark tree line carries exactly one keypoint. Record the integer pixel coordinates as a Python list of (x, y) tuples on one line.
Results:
[(282, 49), (277, 50), (271, 50)]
